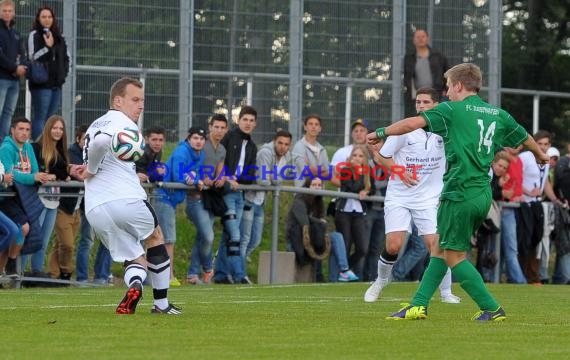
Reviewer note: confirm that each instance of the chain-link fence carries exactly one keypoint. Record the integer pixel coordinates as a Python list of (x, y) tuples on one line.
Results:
[(341, 59)]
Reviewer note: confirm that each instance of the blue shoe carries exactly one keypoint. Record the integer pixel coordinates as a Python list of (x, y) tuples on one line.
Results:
[(346, 276), (409, 312), (486, 315)]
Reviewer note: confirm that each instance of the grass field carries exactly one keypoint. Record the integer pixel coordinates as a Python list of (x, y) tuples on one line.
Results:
[(328, 321)]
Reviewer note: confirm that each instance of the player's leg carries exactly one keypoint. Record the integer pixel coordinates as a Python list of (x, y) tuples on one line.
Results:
[(158, 263), (397, 220), (108, 220), (426, 222), (455, 240)]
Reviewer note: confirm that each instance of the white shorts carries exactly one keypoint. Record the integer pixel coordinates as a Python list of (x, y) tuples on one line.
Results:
[(122, 225), (399, 218)]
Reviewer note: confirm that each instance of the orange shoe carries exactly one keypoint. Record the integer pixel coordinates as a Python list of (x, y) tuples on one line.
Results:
[(207, 277)]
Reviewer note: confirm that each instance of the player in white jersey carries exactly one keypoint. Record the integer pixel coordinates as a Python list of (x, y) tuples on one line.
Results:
[(415, 196), (116, 206)]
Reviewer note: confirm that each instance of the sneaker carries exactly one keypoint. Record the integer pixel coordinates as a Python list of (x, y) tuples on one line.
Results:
[(373, 292), (346, 276), (193, 280), (409, 312), (174, 282), (486, 315), (129, 303), (246, 281), (11, 269), (451, 299), (170, 310), (207, 277), (223, 280)]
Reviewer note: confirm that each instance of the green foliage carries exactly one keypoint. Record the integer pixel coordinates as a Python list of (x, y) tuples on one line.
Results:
[(280, 322), (536, 55)]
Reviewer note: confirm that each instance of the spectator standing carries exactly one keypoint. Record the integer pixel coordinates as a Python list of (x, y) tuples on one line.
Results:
[(310, 157), (11, 69), (239, 168), (531, 224), (196, 211), (184, 166), (311, 160), (424, 67), (270, 160), (350, 213), (47, 46), (561, 236), (51, 154), (512, 192)]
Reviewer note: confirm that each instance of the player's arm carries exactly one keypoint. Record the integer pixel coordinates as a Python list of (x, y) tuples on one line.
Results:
[(531, 145), (398, 128), (97, 148)]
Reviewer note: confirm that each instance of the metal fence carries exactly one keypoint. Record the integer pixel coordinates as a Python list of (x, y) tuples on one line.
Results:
[(341, 59)]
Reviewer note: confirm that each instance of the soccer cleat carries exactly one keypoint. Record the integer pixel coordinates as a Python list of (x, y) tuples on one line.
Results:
[(170, 310), (346, 276), (174, 282), (373, 292), (486, 315), (450, 299), (409, 312), (207, 277), (129, 303)]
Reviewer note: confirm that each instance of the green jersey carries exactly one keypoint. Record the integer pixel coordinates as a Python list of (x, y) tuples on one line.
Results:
[(472, 131)]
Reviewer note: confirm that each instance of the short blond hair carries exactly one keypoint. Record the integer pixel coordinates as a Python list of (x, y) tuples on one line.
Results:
[(468, 74), (4, 3)]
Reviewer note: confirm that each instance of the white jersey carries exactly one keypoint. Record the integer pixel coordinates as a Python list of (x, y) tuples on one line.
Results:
[(534, 175), (114, 179), (417, 148), (341, 155)]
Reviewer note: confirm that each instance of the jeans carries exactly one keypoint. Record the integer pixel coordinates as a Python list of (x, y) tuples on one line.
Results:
[(251, 228), (45, 103), (103, 262), (229, 261), (83, 249), (414, 253), (337, 259), (47, 222), (8, 231), (9, 91), (561, 274), (375, 224), (203, 220), (509, 246), (353, 228)]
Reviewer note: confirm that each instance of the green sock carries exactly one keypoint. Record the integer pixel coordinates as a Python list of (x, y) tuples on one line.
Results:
[(472, 282), (430, 281)]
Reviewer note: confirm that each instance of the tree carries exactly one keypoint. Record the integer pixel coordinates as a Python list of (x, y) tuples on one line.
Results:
[(536, 55)]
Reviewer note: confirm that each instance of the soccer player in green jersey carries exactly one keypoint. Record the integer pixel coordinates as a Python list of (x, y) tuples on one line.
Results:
[(472, 130)]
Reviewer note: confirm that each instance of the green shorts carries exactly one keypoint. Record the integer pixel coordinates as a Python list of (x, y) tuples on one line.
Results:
[(457, 221)]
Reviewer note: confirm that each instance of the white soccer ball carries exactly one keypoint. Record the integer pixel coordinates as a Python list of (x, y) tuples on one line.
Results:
[(127, 145)]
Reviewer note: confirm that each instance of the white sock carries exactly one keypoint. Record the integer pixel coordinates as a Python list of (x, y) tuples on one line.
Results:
[(445, 286), (134, 272), (384, 271)]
